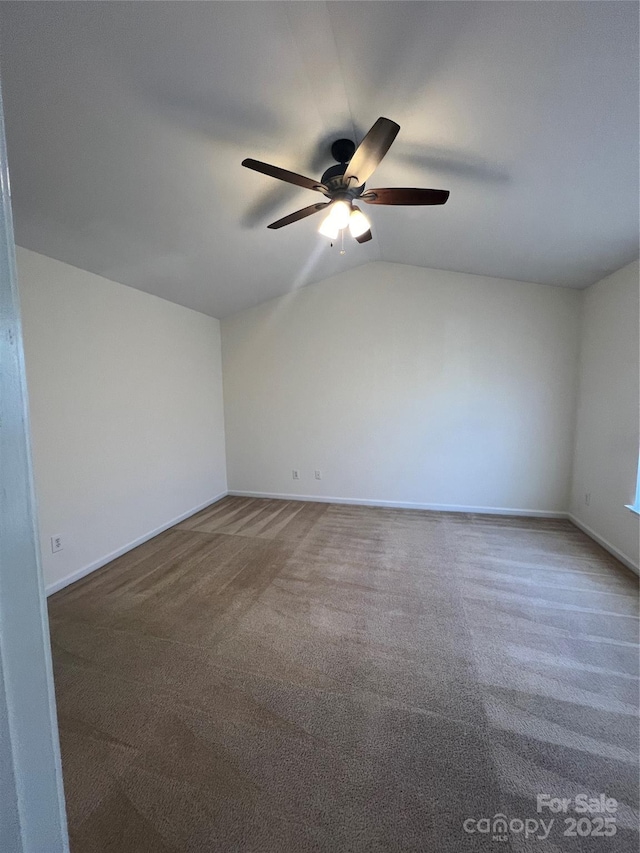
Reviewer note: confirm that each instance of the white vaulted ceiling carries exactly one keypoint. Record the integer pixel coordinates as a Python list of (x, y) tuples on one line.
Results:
[(127, 124)]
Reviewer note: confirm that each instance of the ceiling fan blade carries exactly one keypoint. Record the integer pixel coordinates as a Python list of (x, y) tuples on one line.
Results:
[(284, 175), (371, 150), (299, 214), (364, 238), (405, 195)]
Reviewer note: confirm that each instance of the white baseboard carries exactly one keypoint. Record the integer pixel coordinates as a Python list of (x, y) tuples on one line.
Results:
[(616, 552), (98, 564), (481, 510)]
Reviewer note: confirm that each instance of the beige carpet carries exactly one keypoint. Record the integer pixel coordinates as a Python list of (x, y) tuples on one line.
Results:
[(284, 677)]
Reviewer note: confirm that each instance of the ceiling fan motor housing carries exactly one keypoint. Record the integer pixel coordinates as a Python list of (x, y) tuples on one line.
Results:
[(342, 150)]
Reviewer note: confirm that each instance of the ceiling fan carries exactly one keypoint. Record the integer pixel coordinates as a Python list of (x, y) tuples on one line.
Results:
[(344, 183)]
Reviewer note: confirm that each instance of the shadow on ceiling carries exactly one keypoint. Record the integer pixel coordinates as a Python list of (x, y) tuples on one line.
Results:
[(446, 161)]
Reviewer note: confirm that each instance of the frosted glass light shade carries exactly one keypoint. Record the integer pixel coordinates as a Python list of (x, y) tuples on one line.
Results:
[(328, 228), (358, 223), (340, 213)]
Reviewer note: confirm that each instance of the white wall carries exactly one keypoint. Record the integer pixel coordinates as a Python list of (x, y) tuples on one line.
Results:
[(125, 394), (406, 385), (606, 447)]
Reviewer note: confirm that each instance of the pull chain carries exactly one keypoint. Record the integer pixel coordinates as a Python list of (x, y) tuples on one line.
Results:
[(342, 251)]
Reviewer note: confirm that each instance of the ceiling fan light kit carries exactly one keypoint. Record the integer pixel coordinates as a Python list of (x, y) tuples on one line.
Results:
[(345, 182), (358, 223), (329, 228), (339, 213)]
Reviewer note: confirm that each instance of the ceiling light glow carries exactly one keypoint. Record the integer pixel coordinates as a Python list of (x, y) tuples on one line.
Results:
[(329, 228), (358, 223), (340, 213), (338, 218)]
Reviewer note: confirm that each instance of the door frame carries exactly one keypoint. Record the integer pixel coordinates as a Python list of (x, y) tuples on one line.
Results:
[(32, 809)]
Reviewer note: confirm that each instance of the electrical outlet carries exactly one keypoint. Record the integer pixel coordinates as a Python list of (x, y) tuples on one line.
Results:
[(587, 498), (56, 544), (318, 474), (295, 474)]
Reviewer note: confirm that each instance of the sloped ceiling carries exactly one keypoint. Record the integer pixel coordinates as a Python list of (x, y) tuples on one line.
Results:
[(127, 124)]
